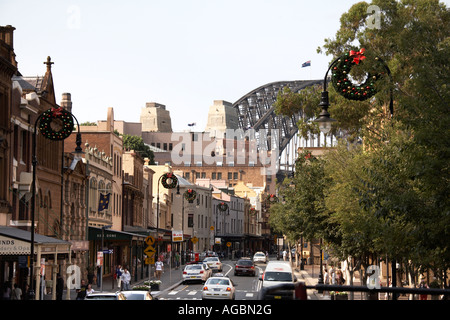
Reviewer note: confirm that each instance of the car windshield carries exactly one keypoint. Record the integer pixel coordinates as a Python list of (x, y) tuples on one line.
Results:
[(224, 282), (260, 255), (245, 263), (277, 276)]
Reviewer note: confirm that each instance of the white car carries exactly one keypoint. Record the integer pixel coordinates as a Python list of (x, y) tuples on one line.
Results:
[(137, 295), (213, 263), (218, 288), (106, 296), (195, 272), (259, 257)]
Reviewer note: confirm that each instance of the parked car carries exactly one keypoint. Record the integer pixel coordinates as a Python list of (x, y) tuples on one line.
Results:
[(213, 263), (244, 266), (278, 272), (260, 257), (195, 272), (137, 295), (106, 296), (218, 288)]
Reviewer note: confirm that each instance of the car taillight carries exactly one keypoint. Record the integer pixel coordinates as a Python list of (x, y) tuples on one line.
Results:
[(252, 267), (237, 267), (228, 289), (201, 271), (205, 288), (184, 272)]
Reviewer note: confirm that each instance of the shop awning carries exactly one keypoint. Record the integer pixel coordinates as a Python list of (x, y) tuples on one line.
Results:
[(96, 234), (14, 241)]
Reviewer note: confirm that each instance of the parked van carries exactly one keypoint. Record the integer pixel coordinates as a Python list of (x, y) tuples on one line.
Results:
[(278, 272)]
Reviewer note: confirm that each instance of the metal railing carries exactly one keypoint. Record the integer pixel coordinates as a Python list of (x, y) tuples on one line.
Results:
[(300, 290)]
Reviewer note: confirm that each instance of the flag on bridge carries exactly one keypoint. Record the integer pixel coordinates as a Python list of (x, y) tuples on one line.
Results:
[(306, 64), (104, 201), (191, 124)]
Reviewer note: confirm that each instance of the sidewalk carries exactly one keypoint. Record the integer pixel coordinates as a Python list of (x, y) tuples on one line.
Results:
[(169, 279)]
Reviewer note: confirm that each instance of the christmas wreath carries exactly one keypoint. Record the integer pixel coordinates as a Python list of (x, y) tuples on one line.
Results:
[(56, 124), (190, 195), (252, 210), (169, 180), (341, 78), (223, 206), (272, 198)]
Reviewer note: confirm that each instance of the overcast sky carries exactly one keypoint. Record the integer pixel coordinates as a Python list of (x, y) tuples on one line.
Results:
[(181, 53)]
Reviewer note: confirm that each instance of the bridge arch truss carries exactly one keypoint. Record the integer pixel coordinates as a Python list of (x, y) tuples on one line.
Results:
[(256, 111)]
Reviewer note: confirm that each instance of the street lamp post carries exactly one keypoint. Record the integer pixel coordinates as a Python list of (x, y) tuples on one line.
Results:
[(34, 162), (324, 120)]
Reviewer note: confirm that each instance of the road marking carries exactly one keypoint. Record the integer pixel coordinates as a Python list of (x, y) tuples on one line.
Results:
[(249, 294), (192, 293)]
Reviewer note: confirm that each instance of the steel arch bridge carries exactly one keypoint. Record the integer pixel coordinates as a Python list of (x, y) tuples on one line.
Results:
[(256, 111)]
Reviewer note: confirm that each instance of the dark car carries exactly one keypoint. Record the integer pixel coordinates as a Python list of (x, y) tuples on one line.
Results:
[(244, 266)]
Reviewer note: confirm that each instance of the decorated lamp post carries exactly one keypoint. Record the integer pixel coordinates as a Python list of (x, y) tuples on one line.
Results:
[(343, 85), (169, 181), (54, 124)]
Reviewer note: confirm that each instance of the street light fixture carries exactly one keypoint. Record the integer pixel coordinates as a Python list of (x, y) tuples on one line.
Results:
[(324, 120)]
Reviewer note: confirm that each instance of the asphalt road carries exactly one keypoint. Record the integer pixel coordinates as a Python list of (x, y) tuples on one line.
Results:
[(247, 287)]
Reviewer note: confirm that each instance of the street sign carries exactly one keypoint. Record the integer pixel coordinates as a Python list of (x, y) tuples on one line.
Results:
[(211, 228), (194, 240), (177, 236), (228, 244), (150, 250)]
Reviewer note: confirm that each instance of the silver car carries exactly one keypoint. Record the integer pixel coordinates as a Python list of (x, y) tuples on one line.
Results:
[(213, 263), (195, 272)]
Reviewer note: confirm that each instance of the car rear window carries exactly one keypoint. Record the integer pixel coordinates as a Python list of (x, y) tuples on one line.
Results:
[(194, 267), (219, 281), (277, 276), (245, 263)]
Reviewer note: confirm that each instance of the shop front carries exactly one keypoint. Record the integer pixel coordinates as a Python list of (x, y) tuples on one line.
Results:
[(119, 248), (52, 256)]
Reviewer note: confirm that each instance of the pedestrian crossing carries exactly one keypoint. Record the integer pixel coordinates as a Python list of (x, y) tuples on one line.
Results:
[(197, 295)]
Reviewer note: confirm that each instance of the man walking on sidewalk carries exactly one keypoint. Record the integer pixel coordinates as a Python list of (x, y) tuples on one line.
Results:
[(126, 278)]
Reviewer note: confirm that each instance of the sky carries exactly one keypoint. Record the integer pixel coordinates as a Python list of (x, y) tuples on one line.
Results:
[(183, 54)]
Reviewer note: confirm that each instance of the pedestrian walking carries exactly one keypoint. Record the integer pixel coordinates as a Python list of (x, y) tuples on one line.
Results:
[(126, 278), (59, 287), (16, 293), (81, 293), (177, 260), (159, 267), (89, 289), (423, 285), (118, 276)]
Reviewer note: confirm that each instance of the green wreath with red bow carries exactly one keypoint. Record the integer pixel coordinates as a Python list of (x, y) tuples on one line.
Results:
[(223, 206), (341, 77), (56, 118), (169, 180), (190, 195)]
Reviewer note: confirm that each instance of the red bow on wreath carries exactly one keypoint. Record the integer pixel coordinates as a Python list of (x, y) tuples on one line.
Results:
[(357, 55), (57, 112)]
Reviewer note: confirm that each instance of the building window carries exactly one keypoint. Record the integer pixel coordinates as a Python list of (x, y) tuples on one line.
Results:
[(190, 220), (213, 176), (230, 175), (235, 175)]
